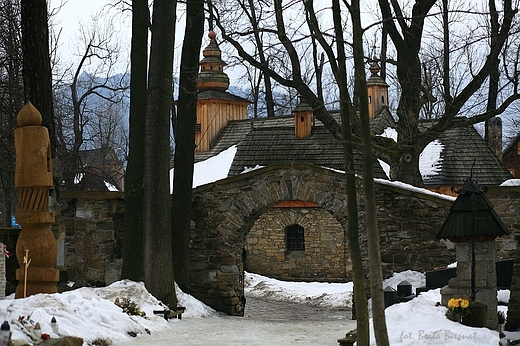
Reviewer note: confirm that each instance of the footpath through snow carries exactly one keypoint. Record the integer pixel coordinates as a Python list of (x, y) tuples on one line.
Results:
[(91, 313)]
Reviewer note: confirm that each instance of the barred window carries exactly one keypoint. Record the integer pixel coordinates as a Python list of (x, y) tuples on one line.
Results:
[(295, 238)]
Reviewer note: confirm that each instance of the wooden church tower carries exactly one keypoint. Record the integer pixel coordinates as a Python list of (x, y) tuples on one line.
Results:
[(377, 91), (215, 106)]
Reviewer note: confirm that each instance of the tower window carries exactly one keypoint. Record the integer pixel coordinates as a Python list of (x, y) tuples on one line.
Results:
[(295, 238), (198, 128), (383, 99), (369, 99)]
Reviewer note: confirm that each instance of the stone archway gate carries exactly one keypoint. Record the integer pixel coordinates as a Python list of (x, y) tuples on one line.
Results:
[(224, 211)]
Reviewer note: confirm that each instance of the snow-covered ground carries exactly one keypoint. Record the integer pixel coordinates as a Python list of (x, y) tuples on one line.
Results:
[(91, 313)]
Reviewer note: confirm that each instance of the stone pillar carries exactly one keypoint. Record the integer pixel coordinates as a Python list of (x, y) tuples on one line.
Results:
[(2, 271), (33, 179), (485, 278)]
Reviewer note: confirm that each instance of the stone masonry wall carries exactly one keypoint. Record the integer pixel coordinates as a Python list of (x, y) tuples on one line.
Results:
[(485, 278), (93, 228), (506, 202), (408, 224), (237, 213), (325, 255)]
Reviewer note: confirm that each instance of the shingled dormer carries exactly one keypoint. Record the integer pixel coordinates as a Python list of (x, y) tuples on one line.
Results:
[(303, 119)]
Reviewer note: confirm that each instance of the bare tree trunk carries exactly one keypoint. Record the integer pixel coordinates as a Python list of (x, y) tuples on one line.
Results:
[(346, 109), (374, 251), (158, 261), (185, 142), (37, 74), (11, 101), (134, 239), (261, 56)]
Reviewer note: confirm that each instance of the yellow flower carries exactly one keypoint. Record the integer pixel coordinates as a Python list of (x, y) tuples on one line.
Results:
[(464, 303), (453, 303), (460, 305)]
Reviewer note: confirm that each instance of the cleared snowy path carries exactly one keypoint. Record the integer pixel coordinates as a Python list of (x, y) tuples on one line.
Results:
[(264, 323)]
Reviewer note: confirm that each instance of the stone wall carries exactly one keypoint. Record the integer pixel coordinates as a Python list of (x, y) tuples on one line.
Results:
[(238, 213), (506, 202), (325, 257), (408, 223), (93, 235), (485, 278)]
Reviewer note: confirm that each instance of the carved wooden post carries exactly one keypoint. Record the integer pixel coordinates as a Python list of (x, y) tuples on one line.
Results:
[(33, 179)]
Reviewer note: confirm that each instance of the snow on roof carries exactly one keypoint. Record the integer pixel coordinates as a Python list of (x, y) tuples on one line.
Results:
[(430, 159), (390, 132), (212, 169), (511, 182), (385, 166), (412, 188), (217, 167), (110, 187)]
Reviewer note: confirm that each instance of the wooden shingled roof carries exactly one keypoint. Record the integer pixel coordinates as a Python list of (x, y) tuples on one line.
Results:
[(269, 145), (465, 153), (472, 217)]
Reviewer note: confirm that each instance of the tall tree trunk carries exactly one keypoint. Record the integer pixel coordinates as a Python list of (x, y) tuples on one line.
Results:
[(158, 261), (37, 75), (346, 109), (494, 76), (185, 142), (134, 175), (374, 251)]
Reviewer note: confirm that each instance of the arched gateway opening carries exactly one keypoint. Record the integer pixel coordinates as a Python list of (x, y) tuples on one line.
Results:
[(225, 211), (229, 221)]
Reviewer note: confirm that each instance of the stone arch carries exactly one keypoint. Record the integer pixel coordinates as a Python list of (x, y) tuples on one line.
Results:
[(224, 211)]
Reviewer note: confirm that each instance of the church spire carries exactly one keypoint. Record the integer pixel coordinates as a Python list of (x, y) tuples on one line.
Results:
[(211, 75), (377, 90)]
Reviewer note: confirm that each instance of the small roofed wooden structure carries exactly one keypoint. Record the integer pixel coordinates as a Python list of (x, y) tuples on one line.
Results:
[(472, 217)]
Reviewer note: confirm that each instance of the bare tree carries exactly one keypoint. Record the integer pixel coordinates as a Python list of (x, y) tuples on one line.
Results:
[(90, 100), (347, 112), (158, 263), (37, 75), (11, 101), (406, 32), (133, 252), (185, 141)]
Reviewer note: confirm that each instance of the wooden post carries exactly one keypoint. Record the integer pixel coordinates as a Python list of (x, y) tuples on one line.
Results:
[(26, 262), (33, 179)]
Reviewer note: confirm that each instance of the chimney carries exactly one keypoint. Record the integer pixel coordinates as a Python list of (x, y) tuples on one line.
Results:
[(303, 119), (493, 135)]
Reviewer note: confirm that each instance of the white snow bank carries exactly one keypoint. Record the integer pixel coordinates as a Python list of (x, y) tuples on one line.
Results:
[(316, 293)]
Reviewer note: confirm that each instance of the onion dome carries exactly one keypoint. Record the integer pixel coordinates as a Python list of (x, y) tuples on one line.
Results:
[(211, 75)]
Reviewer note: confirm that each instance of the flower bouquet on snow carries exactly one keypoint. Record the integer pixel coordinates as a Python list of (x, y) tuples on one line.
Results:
[(458, 308)]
